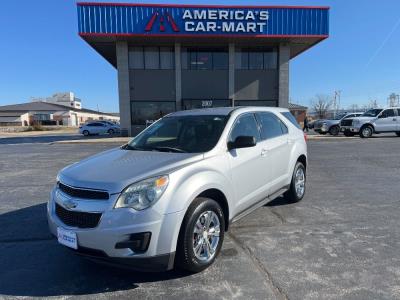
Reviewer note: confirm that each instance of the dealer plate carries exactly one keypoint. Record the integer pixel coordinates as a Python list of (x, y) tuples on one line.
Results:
[(67, 238)]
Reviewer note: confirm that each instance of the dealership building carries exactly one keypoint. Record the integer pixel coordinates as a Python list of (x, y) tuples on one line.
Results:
[(175, 57)]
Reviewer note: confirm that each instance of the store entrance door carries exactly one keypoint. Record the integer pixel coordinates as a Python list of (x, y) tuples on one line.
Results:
[(195, 103)]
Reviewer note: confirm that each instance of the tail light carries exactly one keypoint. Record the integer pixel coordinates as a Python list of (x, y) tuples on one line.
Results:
[(305, 137)]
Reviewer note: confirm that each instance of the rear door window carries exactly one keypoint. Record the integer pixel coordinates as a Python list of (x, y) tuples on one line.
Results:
[(271, 125), (288, 115)]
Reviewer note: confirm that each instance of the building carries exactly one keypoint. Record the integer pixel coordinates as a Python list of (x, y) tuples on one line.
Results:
[(171, 57), (299, 111), (45, 113), (66, 99)]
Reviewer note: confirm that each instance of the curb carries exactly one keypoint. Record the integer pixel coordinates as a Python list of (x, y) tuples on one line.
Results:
[(93, 141)]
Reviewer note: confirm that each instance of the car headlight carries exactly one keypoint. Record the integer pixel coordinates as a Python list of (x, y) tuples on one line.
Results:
[(356, 122), (143, 194)]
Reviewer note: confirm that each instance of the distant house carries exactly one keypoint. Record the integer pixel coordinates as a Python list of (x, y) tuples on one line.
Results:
[(45, 113), (299, 111)]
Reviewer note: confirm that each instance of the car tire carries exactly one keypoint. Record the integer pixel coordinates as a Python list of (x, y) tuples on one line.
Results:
[(366, 131), (193, 232), (334, 130), (86, 133), (110, 131), (398, 133), (297, 188)]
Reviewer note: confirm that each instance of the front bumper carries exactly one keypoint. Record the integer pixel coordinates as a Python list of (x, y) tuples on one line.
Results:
[(117, 226)]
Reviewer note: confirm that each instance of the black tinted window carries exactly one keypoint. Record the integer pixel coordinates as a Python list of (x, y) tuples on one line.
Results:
[(245, 125), (291, 118), (271, 125), (388, 113)]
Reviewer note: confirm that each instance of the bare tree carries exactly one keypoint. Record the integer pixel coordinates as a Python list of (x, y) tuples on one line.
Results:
[(394, 100), (354, 108), (321, 104), (373, 103)]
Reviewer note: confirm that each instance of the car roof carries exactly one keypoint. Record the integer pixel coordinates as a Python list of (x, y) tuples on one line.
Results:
[(224, 111)]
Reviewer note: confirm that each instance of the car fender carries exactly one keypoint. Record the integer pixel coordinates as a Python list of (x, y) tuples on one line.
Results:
[(195, 182), (297, 150), (187, 190)]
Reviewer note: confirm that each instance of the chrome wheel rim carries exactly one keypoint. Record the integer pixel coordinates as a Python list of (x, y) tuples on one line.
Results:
[(367, 132), (300, 182), (206, 236)]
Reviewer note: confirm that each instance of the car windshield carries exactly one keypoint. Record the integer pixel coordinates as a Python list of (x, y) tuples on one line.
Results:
[(339, 117), (191, 134), (371, 113)]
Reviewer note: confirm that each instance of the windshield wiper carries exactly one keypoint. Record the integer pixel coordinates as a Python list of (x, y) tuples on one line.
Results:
[(168, 149), (129, 147)]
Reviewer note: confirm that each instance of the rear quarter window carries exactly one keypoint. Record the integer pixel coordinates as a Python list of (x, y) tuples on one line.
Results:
[(288, 115)]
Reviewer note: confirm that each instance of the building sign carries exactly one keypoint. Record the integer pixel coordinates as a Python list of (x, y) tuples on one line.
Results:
[(140, 19)]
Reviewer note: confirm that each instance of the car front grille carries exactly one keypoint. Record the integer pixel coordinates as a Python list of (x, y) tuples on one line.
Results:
[(346, 123), (77, 218), (83, 193)]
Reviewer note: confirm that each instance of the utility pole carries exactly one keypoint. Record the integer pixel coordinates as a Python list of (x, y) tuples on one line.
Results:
[(336, 101)]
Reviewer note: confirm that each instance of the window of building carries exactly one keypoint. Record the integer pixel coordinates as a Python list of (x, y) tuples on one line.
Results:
[(194, 103), (151, 58), (136, 59), (256, 59), (272, 103), (245, 125), (271, 125), (146, 112), (204, 59), (167, 59)]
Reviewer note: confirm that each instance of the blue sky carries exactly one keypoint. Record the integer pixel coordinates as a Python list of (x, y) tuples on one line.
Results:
[(41, 53)]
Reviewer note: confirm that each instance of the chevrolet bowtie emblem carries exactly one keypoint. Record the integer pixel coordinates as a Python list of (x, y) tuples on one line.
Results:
[(69, 204)]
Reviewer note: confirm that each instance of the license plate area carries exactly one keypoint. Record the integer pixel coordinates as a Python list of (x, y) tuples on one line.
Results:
[(67, 238)]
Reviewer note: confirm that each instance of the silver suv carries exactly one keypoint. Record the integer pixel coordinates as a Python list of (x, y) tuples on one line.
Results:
[(332, 126), (374, 121), (167, 197)]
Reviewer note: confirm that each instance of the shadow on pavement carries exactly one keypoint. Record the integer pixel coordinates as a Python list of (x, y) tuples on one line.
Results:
[(33, 264), (280, 201)]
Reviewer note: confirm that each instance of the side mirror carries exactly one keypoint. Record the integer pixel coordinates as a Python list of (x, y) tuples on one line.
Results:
[(381, 116), (242, 142)]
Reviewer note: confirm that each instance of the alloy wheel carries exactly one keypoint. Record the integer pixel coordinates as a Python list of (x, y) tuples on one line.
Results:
[(299, 182), (206, 236)]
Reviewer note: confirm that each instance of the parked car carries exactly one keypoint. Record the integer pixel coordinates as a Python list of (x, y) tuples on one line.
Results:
[(332, 126), (374, 121), (99, 127), (167, 197)]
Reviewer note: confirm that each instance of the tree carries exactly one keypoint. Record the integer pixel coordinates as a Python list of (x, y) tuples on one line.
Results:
[(354, 108), (373, 103), (321, 104)]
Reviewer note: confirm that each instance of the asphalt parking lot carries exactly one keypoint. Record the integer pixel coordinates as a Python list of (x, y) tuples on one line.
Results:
[(341, 241)]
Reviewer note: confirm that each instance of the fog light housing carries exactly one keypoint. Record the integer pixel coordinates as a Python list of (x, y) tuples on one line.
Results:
[(138, 242)]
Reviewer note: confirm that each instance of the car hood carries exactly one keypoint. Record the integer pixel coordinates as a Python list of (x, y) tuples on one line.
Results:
[(115, 169), (363, 119)]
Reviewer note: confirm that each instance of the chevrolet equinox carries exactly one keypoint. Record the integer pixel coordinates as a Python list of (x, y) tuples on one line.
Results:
[(167, 197)]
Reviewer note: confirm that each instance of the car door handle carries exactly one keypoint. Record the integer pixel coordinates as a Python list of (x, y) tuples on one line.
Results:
[(264, 152), (394, 119)]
